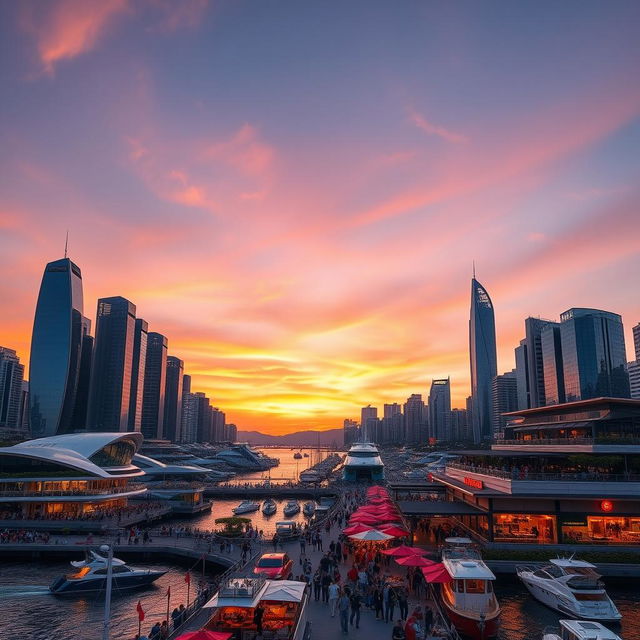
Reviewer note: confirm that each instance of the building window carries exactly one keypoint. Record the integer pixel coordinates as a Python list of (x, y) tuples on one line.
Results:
[(521, 527), (601, 530)]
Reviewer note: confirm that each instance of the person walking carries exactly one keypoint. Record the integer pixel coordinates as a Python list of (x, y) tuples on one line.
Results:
[(403, 603), (356, 602), (391, 599), (326, 581), (334, 594), (258, 613), (343, 611), (377, 603), (317, 585)]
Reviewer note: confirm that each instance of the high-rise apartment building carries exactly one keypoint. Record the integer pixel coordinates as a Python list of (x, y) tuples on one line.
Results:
[(56, 350), (11, 380), (218, 419), (138, 365), (440, 410), (111, 379), (551, 344), (350, 431), (504, 398), (522, 375), (483, 359), (173, 399), (633, 368), (189, 419), (636, 341), (155, 376), (367, 413), (593, 355), (231, 432), (460, 430), (414, 414)]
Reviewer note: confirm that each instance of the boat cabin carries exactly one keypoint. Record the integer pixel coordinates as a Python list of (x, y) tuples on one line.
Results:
[(283, 603), (584, 630), (286, 527)]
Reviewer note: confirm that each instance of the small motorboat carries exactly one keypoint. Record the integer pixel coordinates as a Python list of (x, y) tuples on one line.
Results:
[(291, 508), (571, 587), (246, 506), (580, 630), (309, 509), (306, 455), (297, 456), (269, 507), (91, 576)]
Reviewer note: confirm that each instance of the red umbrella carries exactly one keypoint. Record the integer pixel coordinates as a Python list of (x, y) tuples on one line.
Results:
[(364, 518), (436, 573), (376, 511), (203, 634), (394, 530), (404, 551), (414, 561), (356, 528)]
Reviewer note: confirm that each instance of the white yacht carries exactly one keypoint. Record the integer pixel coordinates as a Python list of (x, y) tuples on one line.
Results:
[(246, 506), (570, 586), (579, 630), (363, 462), (269, 507), (309, 508), (292, 507), (91, 576)]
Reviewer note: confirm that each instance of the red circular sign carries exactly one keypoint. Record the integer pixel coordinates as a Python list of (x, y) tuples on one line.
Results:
[(606, 505)]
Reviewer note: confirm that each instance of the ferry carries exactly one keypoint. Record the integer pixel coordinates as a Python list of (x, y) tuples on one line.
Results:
[(578, 630), (284, 604), (291, 508), (91, 576), (571, 587), (468, 600), (246, 506)]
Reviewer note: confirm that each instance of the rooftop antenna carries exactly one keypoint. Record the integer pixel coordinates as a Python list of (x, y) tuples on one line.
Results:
[(474, 269), (66, 244)]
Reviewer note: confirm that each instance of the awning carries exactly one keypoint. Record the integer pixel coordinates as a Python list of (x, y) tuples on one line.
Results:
[(551, 427), (284, 591), (436, 573), (438, 508)]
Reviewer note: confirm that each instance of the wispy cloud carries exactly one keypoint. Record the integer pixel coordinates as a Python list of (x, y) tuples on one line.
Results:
[(418, 120)]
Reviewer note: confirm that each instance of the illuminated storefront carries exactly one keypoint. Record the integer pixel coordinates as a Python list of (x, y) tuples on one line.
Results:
[(522, 527)]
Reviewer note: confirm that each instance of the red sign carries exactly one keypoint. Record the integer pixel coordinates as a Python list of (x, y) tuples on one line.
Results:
[(606, 505), (473, 482)]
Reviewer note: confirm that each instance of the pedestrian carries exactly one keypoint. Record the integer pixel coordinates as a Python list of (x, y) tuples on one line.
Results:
[(403, 603), (164, 630), (257, 619), (428, 620), (326, 581), (334, 594), (355, 602), (154, 634), (377, 603), (303, 547), (343, 610), (317, 585), (390, 604)]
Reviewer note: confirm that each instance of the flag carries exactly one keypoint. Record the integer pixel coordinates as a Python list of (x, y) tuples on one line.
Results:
[(169, 591), (187, 578), (140, 611)]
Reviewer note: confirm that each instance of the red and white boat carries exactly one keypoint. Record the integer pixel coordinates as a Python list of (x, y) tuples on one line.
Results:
[(468, 600)]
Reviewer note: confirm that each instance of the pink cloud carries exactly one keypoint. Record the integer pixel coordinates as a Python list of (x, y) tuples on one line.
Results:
[(431, 129)]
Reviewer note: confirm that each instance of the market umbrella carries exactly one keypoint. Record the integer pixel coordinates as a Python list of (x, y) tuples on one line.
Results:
[(404, 551), (372, 535), (394, 530), (203, 634), (364, 518), (414, 561), (356, 528), (436, 573)]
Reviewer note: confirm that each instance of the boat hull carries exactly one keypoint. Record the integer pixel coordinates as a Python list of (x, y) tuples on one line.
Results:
[(470, 628), (63, 587)]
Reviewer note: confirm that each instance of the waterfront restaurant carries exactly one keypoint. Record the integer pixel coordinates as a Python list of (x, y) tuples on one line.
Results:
[(563, 474), (68, 477)]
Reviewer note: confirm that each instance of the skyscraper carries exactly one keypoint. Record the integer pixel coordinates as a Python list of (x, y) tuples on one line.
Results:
[(189, 421), (367, 413), (440, 409), (633, 368), (138, 366), (111, 380), (56, 349), (414, 413), (636, 341), (533, 330), (83, 393), (593, 355), (155, 376), (522, 375), (551, 345), (173, 399), (504, 398), (11, 378), (483, 359)]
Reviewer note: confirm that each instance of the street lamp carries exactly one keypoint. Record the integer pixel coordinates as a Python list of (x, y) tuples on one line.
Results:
[(105, 548)]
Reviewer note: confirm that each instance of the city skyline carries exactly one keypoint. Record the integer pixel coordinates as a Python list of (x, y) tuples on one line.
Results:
[(307, 249)]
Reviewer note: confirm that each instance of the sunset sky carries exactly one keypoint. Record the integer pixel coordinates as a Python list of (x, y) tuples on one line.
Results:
[(293, 192)]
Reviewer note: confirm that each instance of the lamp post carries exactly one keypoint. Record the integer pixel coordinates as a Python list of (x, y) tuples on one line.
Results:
[(107, 599)]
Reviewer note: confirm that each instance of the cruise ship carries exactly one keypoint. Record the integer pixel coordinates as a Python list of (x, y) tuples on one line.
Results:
[(363, 463)]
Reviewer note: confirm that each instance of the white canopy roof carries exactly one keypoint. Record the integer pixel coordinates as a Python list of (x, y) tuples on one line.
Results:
[(284, 591), (589, 630), (468, 569)]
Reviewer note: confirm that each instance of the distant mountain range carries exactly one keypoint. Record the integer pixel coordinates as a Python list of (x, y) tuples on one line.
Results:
[(332, 437)]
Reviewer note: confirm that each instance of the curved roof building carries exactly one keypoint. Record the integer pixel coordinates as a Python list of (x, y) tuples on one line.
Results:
[(483, 358)]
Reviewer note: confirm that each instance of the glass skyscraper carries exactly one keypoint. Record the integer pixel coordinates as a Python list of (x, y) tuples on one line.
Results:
[(137, 374), (440, 409), (593, 355), (483, 359), (111, 381), (155, 377), (56, 349), (173, 399)]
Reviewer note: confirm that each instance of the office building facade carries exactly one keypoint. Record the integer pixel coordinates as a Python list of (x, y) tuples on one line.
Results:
[(414, 418), (11, 382), (367, 413), (138, 367), (155, 377), (440, 410), (551, 344), (173, 399), (504, 398), (483, 359)]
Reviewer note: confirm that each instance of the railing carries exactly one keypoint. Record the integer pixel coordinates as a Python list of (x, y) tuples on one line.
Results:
[(545, 476), (88, 492), (622, 440), (177, 484)]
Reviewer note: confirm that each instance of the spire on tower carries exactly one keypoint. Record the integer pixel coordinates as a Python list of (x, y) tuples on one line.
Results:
[(474, 269), (66, 243)]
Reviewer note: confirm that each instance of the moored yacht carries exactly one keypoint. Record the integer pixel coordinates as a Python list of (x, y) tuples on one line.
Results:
[(297, 456), (579, 630), (91, 576), (468, 600), (570, 586), (309, 508), (269, 507), (246, 506), (292, 507)]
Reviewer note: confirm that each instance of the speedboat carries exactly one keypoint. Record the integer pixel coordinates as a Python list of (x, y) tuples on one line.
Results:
[(91, 576), (309, 508), (579, 630), (570, 586), (306, 455), (297, 456), (291, 508), (246, 506), (468, 600), (269, 507)]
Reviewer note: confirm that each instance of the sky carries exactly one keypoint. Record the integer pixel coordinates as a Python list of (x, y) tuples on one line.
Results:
[(294, 192)]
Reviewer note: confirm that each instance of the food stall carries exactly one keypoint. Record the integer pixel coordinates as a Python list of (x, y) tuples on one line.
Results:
[(284, 605)]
